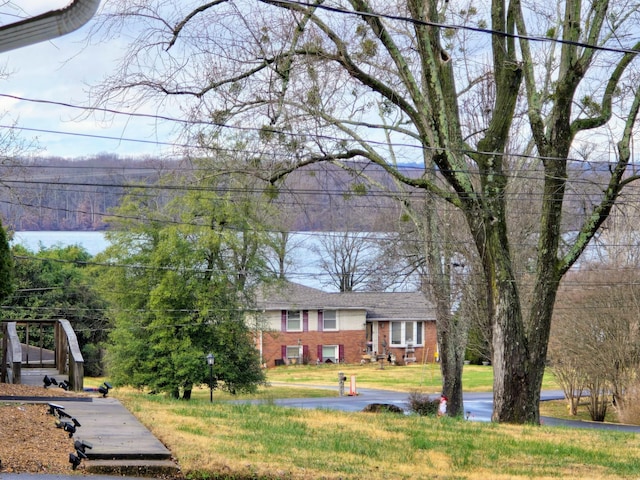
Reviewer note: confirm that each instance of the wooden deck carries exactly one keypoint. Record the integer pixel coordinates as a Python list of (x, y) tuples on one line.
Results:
[(29, 364), (35, 376)]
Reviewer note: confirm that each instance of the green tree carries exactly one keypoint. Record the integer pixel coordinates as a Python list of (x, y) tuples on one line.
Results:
[(185, 258), (379, 82), (55, 283), (6, 266)]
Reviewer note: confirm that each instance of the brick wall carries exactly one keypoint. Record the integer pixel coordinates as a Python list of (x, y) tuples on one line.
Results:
[(352, 340), (425, 353)]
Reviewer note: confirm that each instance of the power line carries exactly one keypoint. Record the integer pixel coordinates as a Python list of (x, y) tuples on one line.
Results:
[(582, 177), (374, 241), (155, 117), (182, 121), (532, 38), (396, 145), (89, 135)]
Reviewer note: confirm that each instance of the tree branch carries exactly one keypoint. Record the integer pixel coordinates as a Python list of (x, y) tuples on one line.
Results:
[(178, 28), (615, 186), (612, 85)]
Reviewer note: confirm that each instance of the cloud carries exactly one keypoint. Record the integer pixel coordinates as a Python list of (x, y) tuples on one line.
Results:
[(60, 71)]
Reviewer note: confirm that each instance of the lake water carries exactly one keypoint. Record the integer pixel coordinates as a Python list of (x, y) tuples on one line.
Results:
[(93, 242)]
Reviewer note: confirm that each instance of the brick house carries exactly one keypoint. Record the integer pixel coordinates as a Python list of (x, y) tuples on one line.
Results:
[(303, 324)]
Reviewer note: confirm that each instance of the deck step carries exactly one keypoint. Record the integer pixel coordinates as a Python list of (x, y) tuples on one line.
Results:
[(132, 468)]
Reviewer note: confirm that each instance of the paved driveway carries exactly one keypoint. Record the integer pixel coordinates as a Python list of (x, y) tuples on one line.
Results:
[(478, 406)]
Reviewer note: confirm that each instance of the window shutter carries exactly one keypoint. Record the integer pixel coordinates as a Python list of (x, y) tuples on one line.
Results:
[(320, 320), (305, 352), (305, 320), (320, 353), (283, 351), (341, 353), (283, 321)]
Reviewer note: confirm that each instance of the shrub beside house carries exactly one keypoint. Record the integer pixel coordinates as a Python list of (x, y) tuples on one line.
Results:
[(299, 324)]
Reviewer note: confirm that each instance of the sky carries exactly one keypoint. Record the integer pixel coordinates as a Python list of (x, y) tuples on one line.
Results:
[(60, 71)]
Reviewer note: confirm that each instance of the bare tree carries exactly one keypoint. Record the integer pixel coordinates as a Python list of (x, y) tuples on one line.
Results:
[(595, 336), (604, 358), (378, 82), (617, 245), (348, 258)]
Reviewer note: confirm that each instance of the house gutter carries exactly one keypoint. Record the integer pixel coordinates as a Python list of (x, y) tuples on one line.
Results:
[(47, 26)]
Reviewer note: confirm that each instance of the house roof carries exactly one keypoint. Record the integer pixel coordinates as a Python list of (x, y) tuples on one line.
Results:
[(378, 305)]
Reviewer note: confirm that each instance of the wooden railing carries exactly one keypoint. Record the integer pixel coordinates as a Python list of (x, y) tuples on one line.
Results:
[(68, 358), (10, 372)]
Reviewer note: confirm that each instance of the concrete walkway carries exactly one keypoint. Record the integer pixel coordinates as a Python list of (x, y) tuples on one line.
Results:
[(120, 444)]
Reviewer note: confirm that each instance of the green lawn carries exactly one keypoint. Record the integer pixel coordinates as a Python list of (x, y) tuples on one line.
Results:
[(299, 380), (425, 378), (226, 440)]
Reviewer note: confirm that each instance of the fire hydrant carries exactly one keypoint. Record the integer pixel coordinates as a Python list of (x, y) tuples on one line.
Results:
[(442, 409)]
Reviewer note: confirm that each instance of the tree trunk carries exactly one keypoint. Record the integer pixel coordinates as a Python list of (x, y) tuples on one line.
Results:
[(452, 331), (519, 346), (451, 364), (515, 392)]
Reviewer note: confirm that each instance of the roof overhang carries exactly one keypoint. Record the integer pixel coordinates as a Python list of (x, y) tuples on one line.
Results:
[(400, 319), (47, 26)]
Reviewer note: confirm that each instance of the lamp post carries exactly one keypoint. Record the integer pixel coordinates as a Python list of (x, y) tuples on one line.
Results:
[(211, 360)]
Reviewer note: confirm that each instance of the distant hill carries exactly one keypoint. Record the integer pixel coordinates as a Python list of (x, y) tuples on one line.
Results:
[(62, 194)]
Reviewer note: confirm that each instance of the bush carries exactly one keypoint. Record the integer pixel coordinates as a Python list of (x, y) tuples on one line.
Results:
[(92, 355), (382, 408), (629, 411), (423, 405)]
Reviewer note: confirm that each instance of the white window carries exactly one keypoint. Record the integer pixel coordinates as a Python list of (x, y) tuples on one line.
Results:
[(396, 333), (329, 320), (406, 332), (294, 320), (293, 351), (330, 352)]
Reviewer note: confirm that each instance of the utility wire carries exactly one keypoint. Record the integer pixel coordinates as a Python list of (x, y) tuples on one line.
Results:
[(532, 38), (315, 6), (227, 149)]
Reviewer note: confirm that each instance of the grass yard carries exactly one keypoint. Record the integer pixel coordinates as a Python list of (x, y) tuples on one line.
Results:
[(241, 441), (425, 378), (224, 440)]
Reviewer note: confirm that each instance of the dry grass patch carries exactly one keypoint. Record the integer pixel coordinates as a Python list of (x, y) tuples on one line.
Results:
[(317, 420)]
